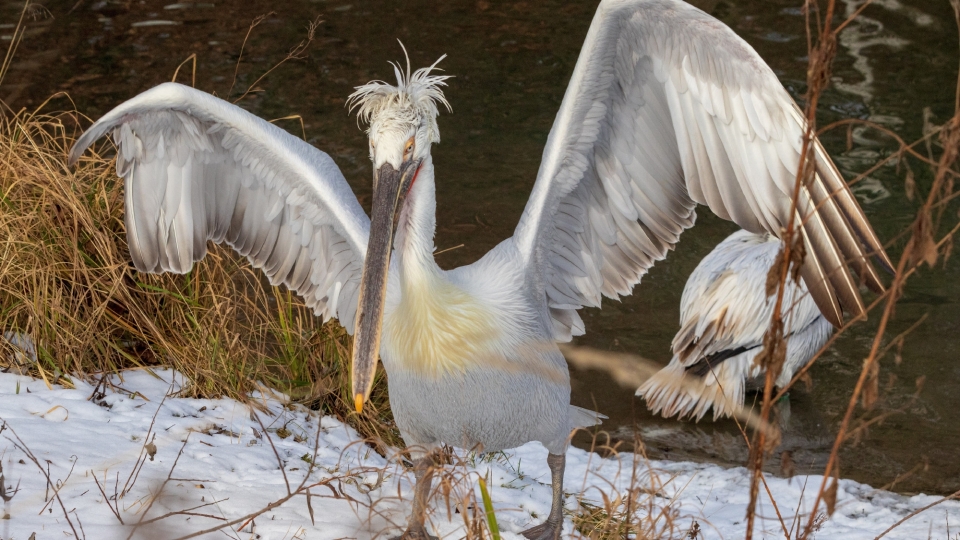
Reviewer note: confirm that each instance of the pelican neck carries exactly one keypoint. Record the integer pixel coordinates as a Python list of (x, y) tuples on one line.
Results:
[(414, 242)]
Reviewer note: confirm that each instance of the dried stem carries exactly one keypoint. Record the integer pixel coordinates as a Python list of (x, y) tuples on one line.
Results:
[(22, 446), (295, 53), (774, 346), (253, 24), (954, 495)]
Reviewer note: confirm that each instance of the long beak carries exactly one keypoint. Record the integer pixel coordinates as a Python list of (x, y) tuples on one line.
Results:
[(390, 190)]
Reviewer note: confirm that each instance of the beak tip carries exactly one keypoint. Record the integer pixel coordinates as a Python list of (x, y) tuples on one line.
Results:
[(358, 402)]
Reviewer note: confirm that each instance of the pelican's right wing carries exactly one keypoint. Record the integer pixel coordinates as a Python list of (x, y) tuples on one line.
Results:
[(668, 108), (197, 168)]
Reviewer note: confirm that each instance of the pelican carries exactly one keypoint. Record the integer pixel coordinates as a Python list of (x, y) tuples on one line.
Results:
[(724, 313), (666, 108)]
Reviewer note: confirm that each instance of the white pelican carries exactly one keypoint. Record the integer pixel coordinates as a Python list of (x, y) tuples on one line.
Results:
[(666, 108), (724, 313)]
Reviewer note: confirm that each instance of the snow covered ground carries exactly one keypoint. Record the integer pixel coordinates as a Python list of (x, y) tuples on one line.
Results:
[(212, 463)]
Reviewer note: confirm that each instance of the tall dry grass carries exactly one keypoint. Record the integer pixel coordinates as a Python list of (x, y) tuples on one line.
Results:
[(66, 281)]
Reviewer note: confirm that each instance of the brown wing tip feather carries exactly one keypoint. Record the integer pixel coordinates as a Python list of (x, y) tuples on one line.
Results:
[(822, 293)]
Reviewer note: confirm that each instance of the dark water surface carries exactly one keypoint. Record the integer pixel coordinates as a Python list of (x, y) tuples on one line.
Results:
[(511, 63)]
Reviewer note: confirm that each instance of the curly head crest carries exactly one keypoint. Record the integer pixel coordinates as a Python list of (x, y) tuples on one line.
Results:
[(412, 101)]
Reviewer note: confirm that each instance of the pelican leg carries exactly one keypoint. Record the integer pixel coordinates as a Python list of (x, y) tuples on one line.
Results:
[(550, 529), (423, 470)]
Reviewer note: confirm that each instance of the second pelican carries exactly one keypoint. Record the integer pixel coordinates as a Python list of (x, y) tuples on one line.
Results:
[(724, 313)]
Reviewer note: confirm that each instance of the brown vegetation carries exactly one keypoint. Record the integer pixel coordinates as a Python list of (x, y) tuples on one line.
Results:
[(66, 281)]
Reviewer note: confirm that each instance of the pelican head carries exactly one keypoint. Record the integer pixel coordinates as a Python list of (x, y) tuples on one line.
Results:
[(402, 122)]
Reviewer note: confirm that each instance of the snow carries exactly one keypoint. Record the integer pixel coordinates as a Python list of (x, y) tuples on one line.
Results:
[(221, 463)]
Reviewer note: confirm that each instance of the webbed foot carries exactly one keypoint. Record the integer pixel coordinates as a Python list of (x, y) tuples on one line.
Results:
[(415, 534), (550, 529), (545, 531)]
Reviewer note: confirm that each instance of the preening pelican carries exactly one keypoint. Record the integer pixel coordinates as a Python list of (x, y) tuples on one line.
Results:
[(666, 108), (724, 313)]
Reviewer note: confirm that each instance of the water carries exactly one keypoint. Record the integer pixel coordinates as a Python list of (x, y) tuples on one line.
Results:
[(511, 64)]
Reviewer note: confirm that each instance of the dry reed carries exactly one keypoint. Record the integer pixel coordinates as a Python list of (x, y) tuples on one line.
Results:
[(66, 281)]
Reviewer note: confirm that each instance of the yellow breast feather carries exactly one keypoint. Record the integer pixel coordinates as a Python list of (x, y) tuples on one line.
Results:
[(439, 329)]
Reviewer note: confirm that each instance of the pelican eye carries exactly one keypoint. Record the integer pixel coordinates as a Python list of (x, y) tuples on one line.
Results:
[(408, 149)]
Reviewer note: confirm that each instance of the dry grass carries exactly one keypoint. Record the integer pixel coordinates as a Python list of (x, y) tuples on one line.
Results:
[(638, 509), (638, 513), (66, 281)]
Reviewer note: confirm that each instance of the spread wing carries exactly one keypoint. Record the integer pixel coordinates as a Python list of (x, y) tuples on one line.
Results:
[(668, 108), (197, 168)]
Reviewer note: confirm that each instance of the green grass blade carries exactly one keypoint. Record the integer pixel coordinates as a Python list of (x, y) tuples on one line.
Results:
[(488, 508)]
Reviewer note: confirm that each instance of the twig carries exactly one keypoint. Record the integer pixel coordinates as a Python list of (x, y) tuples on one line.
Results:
[(243, 519), (142, 458), (159, 491), (79, 522), (253, 24), (899, 337), (188, 512), (275, 453), (954, 495), (850, 19), (802, 371), (444, 250), (193, 78), (18, 32), (116, 511), (917, 251), (295, 54), (303, 128), (22, 446), (313, 459), (774, 347), (7, 496)]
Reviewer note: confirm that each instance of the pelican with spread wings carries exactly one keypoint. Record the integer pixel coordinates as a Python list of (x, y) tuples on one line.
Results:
[(666, 108)]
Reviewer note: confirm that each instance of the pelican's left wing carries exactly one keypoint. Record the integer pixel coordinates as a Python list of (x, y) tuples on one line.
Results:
[(668, 108), (197, 168)]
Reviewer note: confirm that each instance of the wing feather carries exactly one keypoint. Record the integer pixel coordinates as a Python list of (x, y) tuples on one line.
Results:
[(668, 108), (199, 169)]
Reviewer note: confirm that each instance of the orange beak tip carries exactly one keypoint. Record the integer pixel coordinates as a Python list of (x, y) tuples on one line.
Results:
[(358, 403)]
